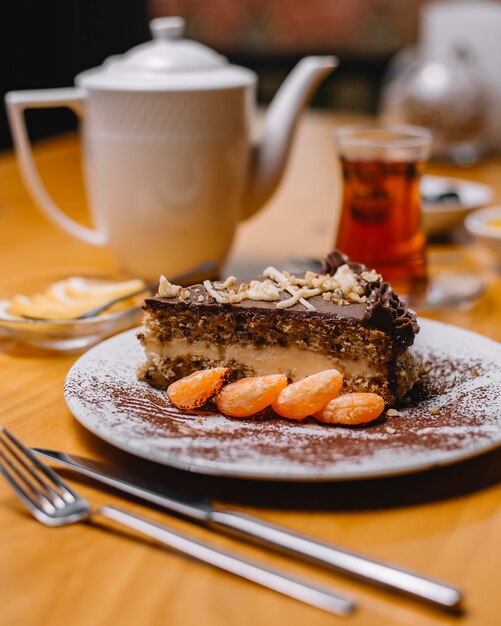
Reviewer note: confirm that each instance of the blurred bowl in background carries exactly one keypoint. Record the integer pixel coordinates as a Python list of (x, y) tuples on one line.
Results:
[(485, 228), (445, 202), (63, 335)]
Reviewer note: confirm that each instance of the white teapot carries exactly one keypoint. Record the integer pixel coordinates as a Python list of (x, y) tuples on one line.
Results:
[(170, 167)]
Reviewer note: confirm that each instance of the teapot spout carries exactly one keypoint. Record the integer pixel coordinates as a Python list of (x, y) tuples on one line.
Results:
[(270, 156)]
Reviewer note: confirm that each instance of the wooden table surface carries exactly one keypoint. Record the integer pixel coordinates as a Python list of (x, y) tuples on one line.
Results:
[(445, 523)]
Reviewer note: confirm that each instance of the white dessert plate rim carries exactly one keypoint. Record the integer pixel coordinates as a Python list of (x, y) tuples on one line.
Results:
[(101, 413)]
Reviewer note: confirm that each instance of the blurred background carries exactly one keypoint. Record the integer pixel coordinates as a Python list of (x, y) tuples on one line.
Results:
[(45, 45)]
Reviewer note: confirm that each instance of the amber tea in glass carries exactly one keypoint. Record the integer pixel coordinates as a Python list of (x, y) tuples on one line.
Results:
[(380, 223)]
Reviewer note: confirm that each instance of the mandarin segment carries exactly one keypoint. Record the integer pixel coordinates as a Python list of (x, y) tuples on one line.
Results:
[(351, 408), (194, 390), (308, 395), (248, 396)]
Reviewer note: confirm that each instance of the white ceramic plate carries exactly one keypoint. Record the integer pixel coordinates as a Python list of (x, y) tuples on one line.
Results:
[(457, 415), (441, 216)]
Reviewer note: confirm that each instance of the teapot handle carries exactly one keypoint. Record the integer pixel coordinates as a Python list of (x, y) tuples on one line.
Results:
[(17, 102)]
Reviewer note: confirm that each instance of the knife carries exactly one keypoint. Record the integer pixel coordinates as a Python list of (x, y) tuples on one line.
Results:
[(200, 509)]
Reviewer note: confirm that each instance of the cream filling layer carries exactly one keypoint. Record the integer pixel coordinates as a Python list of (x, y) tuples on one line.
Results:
[(295, 362)]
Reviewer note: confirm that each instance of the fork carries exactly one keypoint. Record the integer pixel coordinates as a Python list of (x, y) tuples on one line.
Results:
[(53, 503)]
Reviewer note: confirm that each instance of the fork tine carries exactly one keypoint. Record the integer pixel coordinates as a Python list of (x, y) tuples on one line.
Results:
[(37, 495), (30, 502), (47, 471), (48, 490)]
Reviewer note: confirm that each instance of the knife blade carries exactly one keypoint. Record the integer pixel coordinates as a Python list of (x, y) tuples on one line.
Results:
[(199, 508)]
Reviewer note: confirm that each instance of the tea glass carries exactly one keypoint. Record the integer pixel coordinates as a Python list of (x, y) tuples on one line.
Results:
[(380, 222)]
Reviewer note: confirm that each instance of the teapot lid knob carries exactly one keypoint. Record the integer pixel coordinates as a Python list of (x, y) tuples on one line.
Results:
[(164, 28), (167, 63)]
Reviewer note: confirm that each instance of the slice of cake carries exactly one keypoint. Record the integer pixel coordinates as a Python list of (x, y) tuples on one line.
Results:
[(345, 318)]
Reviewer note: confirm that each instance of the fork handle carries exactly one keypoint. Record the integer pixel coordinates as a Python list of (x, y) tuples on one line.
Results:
[(336, 558), (294, 587)]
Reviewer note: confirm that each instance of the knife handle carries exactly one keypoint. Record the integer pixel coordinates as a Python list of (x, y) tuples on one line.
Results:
[(294, 587), (333, 557)]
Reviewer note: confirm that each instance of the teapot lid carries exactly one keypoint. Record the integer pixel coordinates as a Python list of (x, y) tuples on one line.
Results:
[(167, 63)]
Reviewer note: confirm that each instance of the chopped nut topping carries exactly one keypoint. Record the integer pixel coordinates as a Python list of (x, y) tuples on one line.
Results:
[(200, 298), (167, 289), (298, 295), (342, 288), (278, 277), (434, 411), (391, 412), (284, 282), (214, 293), (371, 277), (390, 430), (231, 281), (265, 290), (354, 297)]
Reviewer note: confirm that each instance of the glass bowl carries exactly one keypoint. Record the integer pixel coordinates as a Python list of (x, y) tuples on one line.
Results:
[(485, 228), (72, 335)]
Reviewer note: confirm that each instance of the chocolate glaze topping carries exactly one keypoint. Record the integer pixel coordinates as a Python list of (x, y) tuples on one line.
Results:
[(384, 310), (355, 311)]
